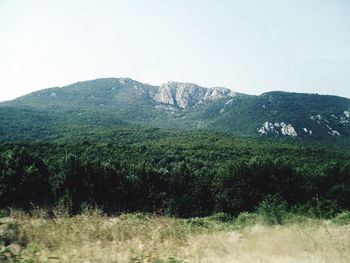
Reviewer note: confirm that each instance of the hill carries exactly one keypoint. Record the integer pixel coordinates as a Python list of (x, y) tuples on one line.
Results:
[(55, 112)]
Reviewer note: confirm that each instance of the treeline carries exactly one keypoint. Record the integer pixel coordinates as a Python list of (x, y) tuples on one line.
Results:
[(168, 178)]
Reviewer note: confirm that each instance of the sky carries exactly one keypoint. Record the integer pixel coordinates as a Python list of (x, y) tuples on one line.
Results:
[(249, 46)]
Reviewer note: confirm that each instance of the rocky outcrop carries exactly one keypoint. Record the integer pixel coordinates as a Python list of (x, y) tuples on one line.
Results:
[(185, 95), (278, 128)]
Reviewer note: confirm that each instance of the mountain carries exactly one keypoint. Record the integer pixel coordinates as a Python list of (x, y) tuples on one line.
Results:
[(184, 95), (111, 102)]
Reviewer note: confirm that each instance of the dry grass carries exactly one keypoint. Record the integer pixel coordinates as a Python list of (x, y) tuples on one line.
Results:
[(94, 237)]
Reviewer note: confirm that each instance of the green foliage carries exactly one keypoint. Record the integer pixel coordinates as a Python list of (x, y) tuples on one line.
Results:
[(342, 218), (273, 209), (23, 179), (222, 217), (4, 212), (246, 219), (318, 208), (90, 107), (162, 171), (240, 186), (8, 256), (10, 234)]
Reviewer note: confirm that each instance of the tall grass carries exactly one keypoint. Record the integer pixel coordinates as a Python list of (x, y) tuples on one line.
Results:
[(95, 237)]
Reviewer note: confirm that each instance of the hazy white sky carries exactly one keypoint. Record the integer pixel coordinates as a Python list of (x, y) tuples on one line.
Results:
[(250, 46)]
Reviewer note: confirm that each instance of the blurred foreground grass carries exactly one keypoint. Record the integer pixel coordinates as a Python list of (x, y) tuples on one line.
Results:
[(95, 237)]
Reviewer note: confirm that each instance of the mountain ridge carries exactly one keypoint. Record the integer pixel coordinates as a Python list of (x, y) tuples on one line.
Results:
[(116, 101)]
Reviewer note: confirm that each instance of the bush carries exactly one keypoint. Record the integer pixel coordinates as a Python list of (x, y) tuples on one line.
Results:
[(246, 219), (273, 209), (342, 218), (318, 208), (4, 212), (9, 234), (8, 256), (222, 218)]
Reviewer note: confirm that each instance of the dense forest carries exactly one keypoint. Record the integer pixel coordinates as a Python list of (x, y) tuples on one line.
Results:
[(178, 173), (123, 146)]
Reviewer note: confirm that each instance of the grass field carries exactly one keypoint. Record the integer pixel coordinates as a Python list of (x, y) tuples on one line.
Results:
[(94, 237)]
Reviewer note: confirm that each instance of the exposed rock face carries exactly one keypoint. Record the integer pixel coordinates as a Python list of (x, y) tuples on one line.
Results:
[(288, 130), (277, 128), (347, 113), (185, 95)]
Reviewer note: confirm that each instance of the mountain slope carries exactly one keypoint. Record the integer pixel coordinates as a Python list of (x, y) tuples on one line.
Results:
[(112, 101), (286, 114)]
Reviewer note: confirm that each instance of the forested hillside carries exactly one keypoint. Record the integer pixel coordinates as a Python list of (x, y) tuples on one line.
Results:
[(179, 173), (51, 113), (177, 149)]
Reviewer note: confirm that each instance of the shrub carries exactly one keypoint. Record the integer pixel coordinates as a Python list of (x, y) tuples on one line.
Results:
[(273, 209), (318, 208), (8, 256), (222, 217), (4, 212), (245, 219), (342, 218), (9, 233)]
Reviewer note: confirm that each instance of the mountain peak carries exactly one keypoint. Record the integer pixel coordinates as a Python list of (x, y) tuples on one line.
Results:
[(179, 84), (184, 95)]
